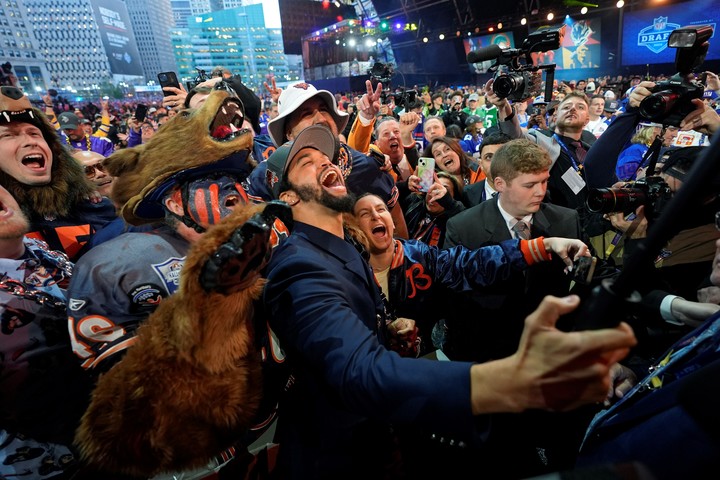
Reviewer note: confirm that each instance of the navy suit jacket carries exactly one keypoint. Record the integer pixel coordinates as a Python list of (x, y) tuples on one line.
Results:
[(324, 307)]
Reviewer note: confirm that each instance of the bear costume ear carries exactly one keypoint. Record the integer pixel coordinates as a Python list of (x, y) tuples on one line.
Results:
[(124, 160), (120, 164)]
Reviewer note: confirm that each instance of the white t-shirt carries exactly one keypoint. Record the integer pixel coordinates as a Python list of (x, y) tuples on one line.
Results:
[(596, 127)]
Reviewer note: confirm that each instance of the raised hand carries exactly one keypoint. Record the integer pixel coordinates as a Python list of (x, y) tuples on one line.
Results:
[(369, 104), (274, 90)]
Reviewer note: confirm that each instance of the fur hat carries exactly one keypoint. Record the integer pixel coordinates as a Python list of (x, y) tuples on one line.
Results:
[(189, 146), (68, 185), (291, 99)]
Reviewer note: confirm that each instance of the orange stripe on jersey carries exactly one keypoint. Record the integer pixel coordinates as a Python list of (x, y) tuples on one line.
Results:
[(69, 238)]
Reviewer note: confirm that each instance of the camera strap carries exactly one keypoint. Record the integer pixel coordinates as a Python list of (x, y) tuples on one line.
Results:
[(651, 156)]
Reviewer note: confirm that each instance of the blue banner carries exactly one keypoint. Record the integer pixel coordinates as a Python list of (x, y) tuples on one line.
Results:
[(645, 32)]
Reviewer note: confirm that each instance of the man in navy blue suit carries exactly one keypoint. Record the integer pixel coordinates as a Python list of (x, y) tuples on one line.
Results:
[(348, 388)]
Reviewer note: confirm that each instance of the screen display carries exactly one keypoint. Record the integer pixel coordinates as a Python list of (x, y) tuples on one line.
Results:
[(645, 32)]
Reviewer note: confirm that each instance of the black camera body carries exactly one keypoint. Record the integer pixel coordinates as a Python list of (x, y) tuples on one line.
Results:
[(382, 73), (201, 77), (652, 192), (516, 80), (671, 100)]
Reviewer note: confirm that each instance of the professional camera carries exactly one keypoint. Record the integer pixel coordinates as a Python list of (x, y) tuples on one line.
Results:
[(671, 100), (652, 192), (515, 80), (201, 77), (382, 73)]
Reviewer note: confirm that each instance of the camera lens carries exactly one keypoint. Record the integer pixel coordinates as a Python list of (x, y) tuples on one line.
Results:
[(506, 85), (163, 77), (658, 104), (611, 200)]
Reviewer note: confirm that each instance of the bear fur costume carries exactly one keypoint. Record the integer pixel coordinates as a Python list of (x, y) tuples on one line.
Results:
[(191, 384)]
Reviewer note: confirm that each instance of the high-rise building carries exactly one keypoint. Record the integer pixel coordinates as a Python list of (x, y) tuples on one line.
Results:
[(181, 11), (19, 47), (85, 42), (152, 22), (234, 38)]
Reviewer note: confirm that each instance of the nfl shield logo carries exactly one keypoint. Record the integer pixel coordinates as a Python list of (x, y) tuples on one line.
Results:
[(660, 23)]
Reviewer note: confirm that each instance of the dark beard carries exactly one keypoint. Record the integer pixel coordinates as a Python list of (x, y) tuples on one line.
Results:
[(342, 204)]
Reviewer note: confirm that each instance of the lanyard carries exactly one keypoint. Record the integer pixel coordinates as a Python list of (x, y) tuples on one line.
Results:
[(569, 154)]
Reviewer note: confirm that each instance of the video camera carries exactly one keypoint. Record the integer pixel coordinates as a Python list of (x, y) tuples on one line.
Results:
[(515, 80), (201, 77), (671, 100), (652, 192), (382, 73)]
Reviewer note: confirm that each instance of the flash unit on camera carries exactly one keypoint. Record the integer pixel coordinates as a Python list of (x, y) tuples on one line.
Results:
[(688, 37)]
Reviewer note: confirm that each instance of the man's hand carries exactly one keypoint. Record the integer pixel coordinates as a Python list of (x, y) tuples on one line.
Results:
[(633, 225), (622, 379), (504, 108), (712, 82), (552, 370), (568, 249), (640, 92), (408, 122), (274, 90), (369, 104), (703, 119), (692, 313), (177, 99)]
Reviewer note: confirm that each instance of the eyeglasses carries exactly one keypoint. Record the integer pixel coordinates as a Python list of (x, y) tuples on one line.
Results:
[(90, 169)]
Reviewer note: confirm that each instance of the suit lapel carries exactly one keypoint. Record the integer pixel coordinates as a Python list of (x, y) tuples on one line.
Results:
[(494, 222), (540, 223)]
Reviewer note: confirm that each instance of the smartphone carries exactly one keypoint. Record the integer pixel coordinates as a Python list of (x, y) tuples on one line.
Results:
[(106, 97), (140, 112), (168, 79), (426, 172)]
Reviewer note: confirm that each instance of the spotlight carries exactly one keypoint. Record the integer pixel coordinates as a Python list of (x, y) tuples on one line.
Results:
[(523, 21), (351, 42), (583, 10), (425, 39), (337, 4), (620, 4), (491, 29), (550, 16), (441, 36), (457, 34), (499, 25), (337, 42)]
